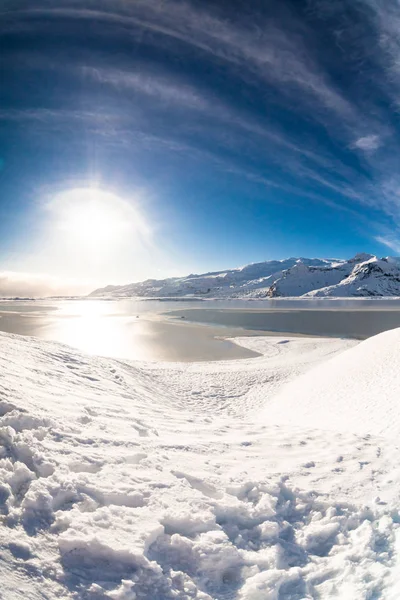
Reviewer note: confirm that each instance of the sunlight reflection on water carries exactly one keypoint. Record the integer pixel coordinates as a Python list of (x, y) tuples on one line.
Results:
[(93, 332), (126, 329)]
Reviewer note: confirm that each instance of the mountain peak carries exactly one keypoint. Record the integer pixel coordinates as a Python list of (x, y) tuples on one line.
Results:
[(361, 257)]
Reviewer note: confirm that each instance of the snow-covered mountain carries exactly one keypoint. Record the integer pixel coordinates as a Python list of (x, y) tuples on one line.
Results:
[(243, 281), (362, 275), (373, 277)]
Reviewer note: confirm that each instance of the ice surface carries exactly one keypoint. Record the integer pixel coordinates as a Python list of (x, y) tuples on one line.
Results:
[(133, 481)]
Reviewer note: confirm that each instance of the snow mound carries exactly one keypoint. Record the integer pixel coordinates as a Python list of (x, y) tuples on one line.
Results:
[(356, 391)]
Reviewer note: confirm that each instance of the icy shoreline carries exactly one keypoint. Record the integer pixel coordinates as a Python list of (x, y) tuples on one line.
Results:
[(136, 481)]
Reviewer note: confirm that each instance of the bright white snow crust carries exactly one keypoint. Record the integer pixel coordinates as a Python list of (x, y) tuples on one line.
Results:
[(210, 481)]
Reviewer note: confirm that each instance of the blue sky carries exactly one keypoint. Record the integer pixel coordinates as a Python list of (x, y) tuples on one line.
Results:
[(240, 131)]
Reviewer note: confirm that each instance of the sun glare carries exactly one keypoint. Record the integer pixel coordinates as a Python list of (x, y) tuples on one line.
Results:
[(92, 216), (89, 233)]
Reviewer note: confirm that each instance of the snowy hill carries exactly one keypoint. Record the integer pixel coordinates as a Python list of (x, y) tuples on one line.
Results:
[(135, 481), (356, 391), (363, 275)]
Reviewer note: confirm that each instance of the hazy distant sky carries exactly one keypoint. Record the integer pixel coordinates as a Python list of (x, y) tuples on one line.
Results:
[(238, 131)]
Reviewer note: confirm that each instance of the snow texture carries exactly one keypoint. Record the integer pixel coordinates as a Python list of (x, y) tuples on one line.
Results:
[(131, 481)]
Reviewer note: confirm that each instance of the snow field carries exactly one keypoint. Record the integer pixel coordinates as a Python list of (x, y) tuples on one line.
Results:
[(155, 481)]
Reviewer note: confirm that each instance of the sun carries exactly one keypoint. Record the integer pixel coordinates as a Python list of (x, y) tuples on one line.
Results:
[(92, 217)]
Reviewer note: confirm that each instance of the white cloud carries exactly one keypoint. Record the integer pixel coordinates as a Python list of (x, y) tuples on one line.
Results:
[(369, 143)]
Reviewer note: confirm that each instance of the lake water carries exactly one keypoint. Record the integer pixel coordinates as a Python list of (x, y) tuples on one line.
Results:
[(190, 331), (358, 323)]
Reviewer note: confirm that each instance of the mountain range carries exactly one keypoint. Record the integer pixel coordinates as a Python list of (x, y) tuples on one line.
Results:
[(361, 276)]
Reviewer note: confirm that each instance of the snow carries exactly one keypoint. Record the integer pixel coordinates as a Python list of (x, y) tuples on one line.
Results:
[(362, 383), (222, 480), (364, 275), (372, 277), (301, 279), (248, 281)]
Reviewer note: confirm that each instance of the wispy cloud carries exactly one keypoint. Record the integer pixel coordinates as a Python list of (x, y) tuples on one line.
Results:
[(348, 152), (161, 87), (369, 143), (48, 117), (261, 48), (172, 93), (389, 241)]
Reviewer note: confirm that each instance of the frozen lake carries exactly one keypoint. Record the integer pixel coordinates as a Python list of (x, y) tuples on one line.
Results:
[(190, 330), (358, 322)]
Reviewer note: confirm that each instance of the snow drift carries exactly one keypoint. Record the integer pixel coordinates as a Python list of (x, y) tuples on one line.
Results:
[(357, 391), (159, 481)]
